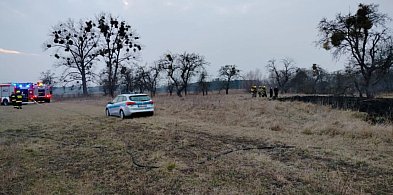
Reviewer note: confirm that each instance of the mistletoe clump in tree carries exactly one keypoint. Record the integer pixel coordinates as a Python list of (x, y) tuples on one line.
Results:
[(75, 47), (365, 37), (118, 47)]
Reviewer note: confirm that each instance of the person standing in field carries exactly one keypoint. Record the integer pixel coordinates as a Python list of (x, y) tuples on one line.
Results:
[(19, 98), (275, 92), (271, 92), (13, 99), (260, 91), (264, 91), (254, 91)]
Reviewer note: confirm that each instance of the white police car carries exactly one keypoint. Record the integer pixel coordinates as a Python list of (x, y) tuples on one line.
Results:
[(125, 105)]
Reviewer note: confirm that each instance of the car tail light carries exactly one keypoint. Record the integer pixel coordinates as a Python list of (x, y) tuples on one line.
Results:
[(130, 103), (151, 102)]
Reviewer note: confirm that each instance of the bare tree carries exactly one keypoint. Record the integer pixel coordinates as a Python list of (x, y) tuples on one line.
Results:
[(341, 83), (365, 37), (181, 68), (170, 87), (148, 77), (127, 79), (102, 81), (119, 46), (301, 81), (282, 76), (75, 46), (228, 73), (203, 83), (48, 77), (318, 76)]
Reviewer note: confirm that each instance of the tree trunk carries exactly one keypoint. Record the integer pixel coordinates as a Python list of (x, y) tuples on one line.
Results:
[(358, 89), (111, 90), (369, 91), (227, 86), (367, 83), (178, 92), (179, 89), (84, 84)]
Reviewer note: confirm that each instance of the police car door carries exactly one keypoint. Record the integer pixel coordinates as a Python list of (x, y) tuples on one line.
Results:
[(119, 104), (112, 107)]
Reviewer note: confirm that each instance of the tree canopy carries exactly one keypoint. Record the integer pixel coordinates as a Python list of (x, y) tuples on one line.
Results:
[(75, 47), (365, 37), (181, 68), (119, 45), (227, 73)]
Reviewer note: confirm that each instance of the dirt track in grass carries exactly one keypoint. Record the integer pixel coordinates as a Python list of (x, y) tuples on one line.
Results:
[(214, 144)]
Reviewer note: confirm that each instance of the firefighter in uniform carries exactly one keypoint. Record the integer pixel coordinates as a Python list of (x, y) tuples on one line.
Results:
[(19, 98), (13, 99), (264, 91), (254, 91), (260, 91)]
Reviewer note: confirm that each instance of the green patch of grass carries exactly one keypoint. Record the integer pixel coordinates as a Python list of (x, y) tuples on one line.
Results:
[(171, 166)]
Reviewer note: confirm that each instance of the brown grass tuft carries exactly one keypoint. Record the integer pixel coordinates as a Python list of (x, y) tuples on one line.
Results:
[(276, 127)]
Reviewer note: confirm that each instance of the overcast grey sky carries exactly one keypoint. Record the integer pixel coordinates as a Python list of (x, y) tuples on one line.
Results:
[(243, 32)]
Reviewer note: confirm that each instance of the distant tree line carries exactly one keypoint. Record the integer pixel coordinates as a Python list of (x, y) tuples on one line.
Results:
[(316, 80), (79, 47)]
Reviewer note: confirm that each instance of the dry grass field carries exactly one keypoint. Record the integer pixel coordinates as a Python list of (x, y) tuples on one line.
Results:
[(216, 144)]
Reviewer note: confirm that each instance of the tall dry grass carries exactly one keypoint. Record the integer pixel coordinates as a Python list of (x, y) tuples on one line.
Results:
[(290, 117), (305, 125)]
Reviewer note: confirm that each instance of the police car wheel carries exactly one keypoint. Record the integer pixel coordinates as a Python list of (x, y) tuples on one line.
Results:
[(5, 102), (107, 113), (122, 116)]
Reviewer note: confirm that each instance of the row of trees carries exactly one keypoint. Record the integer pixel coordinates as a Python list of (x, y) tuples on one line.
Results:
[(316, 80), (177, 71), (80, 46)]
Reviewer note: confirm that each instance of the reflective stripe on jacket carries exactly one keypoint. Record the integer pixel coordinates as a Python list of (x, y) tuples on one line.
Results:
[(13, 98), (19, 98)]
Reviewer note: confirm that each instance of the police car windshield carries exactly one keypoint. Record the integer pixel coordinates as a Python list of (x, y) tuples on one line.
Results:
[(140, 98)]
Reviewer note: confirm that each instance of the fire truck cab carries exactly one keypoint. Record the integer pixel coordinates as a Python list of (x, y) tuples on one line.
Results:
[(26, 89), (42, 92), (5, 93)]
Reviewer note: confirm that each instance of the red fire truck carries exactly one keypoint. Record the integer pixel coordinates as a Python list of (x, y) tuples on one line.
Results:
[(26, 89), (31, 92), (42, 92)]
